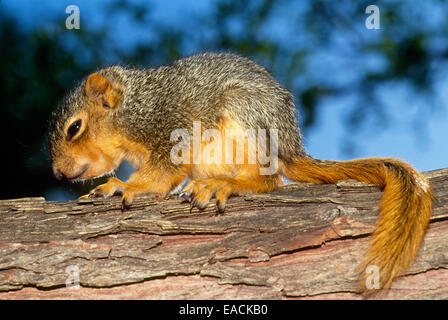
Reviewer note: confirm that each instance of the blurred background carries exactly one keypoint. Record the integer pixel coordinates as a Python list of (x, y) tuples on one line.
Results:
[(359, 92)]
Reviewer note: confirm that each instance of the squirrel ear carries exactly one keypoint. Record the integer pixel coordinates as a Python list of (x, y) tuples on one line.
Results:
[(99, 90), (96, 85)]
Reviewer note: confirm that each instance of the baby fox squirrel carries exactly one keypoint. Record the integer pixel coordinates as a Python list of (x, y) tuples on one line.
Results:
[(129, 114)]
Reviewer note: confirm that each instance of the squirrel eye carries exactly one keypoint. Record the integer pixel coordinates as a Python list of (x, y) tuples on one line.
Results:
[(73, 129), (106, 105)]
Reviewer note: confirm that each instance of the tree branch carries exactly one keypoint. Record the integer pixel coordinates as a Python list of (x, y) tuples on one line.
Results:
[(301, 241)]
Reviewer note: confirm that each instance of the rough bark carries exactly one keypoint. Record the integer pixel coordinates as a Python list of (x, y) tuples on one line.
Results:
[(301, 241)]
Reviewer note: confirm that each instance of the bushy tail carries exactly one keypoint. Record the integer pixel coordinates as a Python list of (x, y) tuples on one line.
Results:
[(405, 206)]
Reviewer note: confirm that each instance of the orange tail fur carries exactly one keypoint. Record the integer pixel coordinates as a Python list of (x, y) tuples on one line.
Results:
[(405, 206)]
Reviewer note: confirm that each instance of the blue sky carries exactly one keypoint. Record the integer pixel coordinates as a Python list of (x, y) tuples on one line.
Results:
[(425, 151)]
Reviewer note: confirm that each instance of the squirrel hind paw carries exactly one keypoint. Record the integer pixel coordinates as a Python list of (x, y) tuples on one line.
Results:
[(199, 192)]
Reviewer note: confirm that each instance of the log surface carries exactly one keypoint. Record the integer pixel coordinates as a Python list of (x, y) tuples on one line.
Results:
[(302, 241)]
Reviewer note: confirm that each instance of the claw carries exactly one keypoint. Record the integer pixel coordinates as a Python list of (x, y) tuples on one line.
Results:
[(185, 196), (220, 207), (199, 192), (125, 203), (98, 193), (201, 206), (127, 199)]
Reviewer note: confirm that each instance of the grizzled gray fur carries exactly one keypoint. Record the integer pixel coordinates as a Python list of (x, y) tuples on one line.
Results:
[(201, 87)]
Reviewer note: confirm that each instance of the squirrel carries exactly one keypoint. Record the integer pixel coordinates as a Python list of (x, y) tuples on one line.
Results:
[(120, 113)]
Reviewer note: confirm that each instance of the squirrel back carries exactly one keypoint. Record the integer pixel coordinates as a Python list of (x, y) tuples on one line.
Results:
[(204, 87)]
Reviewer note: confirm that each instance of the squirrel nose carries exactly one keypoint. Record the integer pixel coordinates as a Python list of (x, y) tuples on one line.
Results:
[(58, 174)]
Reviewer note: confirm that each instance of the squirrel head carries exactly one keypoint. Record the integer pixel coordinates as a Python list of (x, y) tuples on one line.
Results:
[(81, 137)]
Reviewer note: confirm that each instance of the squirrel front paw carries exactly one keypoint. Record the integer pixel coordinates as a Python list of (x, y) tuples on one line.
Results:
[(111, 187)]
